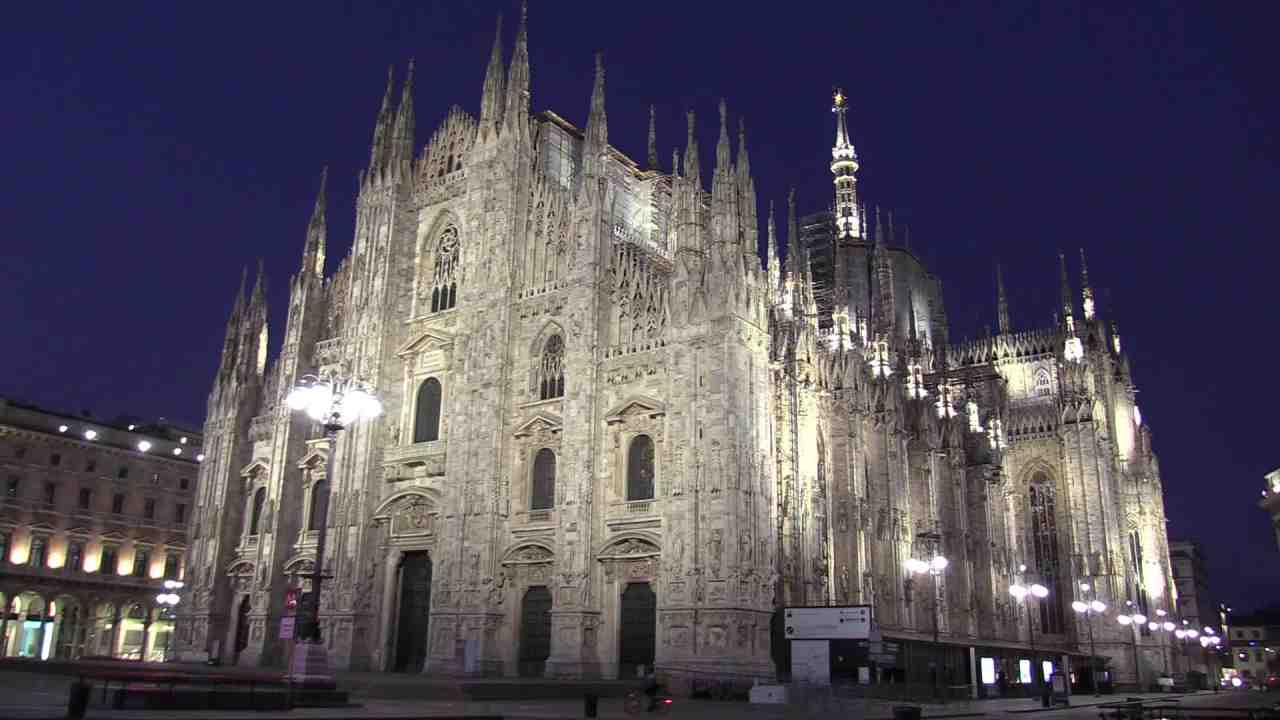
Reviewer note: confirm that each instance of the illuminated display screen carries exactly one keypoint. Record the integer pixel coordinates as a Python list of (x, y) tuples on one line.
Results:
[(988, 671)]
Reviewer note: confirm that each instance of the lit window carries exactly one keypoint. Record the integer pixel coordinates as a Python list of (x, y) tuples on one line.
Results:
[(988, 671)]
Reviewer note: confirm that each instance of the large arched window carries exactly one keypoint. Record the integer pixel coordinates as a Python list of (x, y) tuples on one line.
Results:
[(640, 468), (319, 510), (255, 522), (1044, 543), (551, 369), (426, 416), (543, 495), (444, 281)]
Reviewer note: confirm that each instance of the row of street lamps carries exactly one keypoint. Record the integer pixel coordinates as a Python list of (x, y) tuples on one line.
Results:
[(1088, 608)]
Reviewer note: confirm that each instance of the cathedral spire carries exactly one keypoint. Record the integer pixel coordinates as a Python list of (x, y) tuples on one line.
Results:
[(1086, 290), (259, 294), (313, 252), (402, 148), (492, 99), (1065, 290), (691, 166), (382, 129), (653, 139), (596, 143), (723, 160), (844, 166), (772, 257), (1002, 302), (516, 105), (748, 223)]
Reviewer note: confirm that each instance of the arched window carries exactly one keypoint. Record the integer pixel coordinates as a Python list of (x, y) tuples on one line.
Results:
[(640, 468), (444, 292), (551, 370), (259, 499), (1044, 543), (426, 416), (543, 495), (319, 505), (1043, 384)]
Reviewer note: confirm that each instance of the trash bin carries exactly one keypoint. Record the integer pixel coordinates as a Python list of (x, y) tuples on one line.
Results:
[(906, 712), (589, 703), (77, 700)]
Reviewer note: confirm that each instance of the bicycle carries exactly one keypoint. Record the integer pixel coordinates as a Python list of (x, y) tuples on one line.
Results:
[(637, 702)]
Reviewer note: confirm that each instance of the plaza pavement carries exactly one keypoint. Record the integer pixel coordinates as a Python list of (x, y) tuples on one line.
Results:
[(32, 695)]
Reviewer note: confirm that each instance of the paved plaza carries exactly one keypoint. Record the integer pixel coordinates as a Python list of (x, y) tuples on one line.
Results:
[(29, 695)]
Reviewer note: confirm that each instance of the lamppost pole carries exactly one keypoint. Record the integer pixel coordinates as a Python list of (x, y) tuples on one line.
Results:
[(1088, 609), (1023, 595), (336, 402), (935, 567), (169, 602), (1136, 620), (310, 630)]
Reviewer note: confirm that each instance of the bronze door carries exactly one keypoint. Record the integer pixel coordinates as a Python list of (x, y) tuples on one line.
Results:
[(415, 611), (638, 629), (535, 631)]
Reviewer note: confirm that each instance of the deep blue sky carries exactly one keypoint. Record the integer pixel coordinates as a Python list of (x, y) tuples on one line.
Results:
[(150, 150)]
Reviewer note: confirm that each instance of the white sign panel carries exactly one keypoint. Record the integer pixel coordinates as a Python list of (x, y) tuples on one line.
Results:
[(811, 661), (827, 623)]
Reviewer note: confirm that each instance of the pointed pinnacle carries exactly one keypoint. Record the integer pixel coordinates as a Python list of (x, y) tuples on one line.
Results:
[(653, 138), (1084, 269), (317, 213)]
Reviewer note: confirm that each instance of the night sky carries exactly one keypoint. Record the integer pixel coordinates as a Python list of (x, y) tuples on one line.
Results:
[(149, 151)]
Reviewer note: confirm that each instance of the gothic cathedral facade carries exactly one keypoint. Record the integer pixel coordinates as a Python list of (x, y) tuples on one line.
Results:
[(612, 436)]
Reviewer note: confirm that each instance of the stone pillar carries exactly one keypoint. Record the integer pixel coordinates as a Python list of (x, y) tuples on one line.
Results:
[(146, 637), (574, 634), (116, 635), (4, 627)]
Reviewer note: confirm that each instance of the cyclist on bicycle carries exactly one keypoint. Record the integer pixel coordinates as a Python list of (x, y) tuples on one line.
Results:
[(649, 683)]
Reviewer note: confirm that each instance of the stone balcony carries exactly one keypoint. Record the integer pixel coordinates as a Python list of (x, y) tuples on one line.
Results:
[(633, 515), (418, 460)]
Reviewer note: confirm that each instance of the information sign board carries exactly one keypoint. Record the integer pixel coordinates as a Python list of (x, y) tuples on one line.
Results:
[(851, 622), (286, 627)]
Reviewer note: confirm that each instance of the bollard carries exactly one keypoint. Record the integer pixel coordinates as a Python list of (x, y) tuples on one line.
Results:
[(77, 700), (589, 702)]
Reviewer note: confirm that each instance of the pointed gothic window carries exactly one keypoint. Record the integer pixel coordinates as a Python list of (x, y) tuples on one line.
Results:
[(1044, 543), (255, 520), (1043, 384), (444, 281), (319, 505), (543, 496), (426, 417), (640, 469), (551, 370)]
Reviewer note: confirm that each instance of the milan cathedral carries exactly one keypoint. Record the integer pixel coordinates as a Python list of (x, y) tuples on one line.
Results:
[(614, 436)]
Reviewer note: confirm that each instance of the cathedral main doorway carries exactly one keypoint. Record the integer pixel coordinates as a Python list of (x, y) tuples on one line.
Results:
[(535, 631), (415, 610), (242, 629), (638, 629)]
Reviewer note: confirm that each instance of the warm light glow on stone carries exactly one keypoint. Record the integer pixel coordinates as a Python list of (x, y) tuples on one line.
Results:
[(1073, 350)]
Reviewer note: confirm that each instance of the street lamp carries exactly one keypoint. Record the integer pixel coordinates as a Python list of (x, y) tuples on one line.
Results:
[(168, 605), (336, 402), (1207, 641), (1020, 593), (934, 567), (1134, 620), (1089, 609)]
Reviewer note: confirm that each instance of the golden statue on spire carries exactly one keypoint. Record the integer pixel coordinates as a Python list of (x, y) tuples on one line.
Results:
[(839, 99)]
